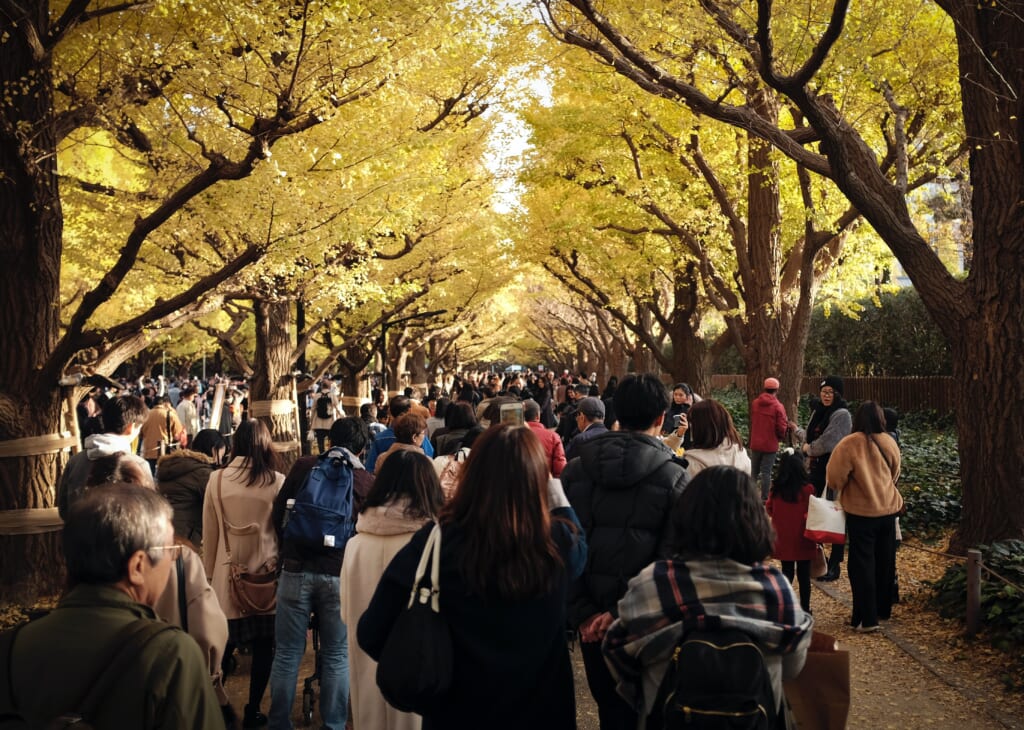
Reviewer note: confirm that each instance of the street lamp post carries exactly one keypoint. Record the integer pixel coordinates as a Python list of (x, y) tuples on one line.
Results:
[(384, 342)]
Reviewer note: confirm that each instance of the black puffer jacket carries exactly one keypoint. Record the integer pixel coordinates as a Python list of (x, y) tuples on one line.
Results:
[(181, 477), (622, 486)]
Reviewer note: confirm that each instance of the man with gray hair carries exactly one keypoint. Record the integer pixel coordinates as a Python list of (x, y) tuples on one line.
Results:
[(102, 655), (589, 421)]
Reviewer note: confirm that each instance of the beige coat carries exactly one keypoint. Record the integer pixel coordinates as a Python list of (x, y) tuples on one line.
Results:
[(206, 621), (865, 479), (246, 511), (726, 454), (381, 533)]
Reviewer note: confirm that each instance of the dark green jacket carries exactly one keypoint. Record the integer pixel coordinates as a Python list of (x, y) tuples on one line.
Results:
[(58, 657)]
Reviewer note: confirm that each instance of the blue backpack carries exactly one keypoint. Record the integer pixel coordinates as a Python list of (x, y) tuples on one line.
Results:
[(322, 514)]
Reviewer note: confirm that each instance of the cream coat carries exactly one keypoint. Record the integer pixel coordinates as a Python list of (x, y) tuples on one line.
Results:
[(726, 454), (381, 533), (246, 510), (206, 622)]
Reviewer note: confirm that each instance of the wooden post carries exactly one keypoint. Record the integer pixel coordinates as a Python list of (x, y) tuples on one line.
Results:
[(973, 592)]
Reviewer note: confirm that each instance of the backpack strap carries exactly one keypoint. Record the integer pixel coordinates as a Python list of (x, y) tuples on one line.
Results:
[(123, 649), (128, 644), (7, 659)]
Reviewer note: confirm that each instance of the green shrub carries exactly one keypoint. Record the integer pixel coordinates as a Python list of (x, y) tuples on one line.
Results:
[(929, 479), (1002, 606), (735, 401)]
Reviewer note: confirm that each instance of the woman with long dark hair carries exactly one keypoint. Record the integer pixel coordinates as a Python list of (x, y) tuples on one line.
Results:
[(405, 495), (510, 545), (863, 471), (830, 423), (237, 518), (718, 577)]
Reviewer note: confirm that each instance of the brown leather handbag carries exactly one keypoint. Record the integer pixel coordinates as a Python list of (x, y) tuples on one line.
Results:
[(253, 591)]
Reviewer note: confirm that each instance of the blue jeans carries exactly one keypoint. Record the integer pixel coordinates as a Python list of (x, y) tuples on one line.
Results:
[(761, 463), (299, 594)]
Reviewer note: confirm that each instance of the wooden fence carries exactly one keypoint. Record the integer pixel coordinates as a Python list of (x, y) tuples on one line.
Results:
[(934, 393)]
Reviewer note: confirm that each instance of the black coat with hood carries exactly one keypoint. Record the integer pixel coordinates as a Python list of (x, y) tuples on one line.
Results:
[(182, 476), (622, 487)]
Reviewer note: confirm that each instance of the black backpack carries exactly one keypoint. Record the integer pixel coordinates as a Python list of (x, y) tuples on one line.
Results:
[(323, 406), (717, 679)]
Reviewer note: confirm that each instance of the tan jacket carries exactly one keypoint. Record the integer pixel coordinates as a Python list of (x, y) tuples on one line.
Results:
[(865, 482), (154, 430), (380, 533), (247, 512), (206, 622)]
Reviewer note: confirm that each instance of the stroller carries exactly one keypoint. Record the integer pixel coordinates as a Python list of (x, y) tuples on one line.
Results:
[(308, 695)]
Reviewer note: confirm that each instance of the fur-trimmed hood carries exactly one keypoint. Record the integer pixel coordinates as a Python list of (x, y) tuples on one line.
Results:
[(389, 519)]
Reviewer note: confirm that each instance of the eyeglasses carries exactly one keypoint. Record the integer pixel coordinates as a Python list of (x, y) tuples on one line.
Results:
[(171, 548), (827, 391)]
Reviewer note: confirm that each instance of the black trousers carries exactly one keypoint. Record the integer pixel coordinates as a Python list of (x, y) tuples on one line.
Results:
[(803, 575), (872, 547), (612, 711)]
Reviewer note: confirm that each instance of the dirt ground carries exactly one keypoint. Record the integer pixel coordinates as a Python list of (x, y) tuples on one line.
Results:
[(918, 671)]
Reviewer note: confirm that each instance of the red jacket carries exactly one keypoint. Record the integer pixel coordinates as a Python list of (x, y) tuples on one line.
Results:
[(768, 423), (552, 444), (789, 520)]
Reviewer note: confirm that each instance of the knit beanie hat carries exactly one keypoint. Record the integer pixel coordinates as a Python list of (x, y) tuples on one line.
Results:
[(834, 382)]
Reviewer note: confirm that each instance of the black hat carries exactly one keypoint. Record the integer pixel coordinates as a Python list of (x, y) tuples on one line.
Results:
[(834, 382)]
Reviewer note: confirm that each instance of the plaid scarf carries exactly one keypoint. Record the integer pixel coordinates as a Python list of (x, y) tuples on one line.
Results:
[(669, 597)]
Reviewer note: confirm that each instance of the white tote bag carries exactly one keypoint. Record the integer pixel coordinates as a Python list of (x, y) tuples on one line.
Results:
[(826, 521)]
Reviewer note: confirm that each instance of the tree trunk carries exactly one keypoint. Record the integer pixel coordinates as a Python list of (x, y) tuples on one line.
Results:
[(418, 367), (272, 378), (763, 303), (30, 255)]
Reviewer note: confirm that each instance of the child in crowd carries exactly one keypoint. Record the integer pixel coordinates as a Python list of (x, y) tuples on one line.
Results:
[(787, 506)]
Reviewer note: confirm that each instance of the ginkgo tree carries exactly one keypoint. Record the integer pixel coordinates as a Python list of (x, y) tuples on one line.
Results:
[(799, 51), (645, 211), (191, 100), (762, 232)]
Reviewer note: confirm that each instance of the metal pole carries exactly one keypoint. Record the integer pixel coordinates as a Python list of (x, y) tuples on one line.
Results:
[(204, 370), (384, 358), (164, 371), (973, 592)]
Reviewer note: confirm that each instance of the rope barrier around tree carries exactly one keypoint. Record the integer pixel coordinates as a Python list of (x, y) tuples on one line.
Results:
[(37, 445), (33, 521)]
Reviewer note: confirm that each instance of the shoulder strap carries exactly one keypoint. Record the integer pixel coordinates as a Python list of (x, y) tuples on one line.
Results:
[(884, 457), (179, 567), (218, 507), (127, 645)]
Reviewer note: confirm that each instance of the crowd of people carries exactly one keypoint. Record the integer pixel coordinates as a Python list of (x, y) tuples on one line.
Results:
[(624, 519)]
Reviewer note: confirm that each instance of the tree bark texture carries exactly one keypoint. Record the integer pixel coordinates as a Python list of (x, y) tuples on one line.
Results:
[(272, 378), (30, 253)]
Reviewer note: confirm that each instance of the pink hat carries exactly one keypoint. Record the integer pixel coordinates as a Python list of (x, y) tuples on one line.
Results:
[(771, 384)]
